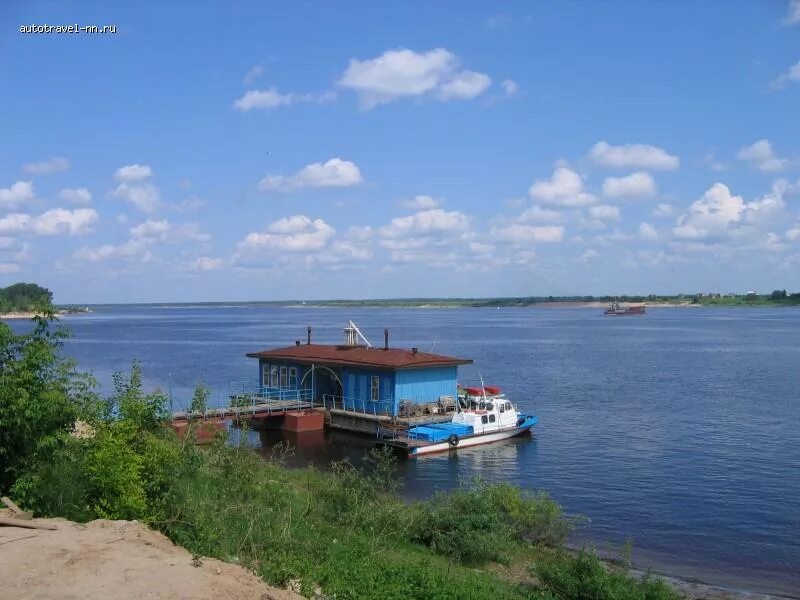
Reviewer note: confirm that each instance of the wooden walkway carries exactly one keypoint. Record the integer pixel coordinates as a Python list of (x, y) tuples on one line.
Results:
[(264, 407)]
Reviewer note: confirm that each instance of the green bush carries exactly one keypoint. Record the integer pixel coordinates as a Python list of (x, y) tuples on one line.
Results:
[(481, 521), (124, 468), (585, 577), (41, 394), (59, 486)]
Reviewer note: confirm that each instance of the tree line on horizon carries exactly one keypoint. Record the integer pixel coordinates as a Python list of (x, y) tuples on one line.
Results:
[(24, 297)]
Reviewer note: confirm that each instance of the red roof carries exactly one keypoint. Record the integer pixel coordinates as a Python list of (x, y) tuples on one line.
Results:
[(360, 356)]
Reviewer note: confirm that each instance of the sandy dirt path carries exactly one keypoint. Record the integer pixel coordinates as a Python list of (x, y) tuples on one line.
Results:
[(116, 559)]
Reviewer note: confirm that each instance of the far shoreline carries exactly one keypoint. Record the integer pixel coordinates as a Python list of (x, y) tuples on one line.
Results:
[(17, 315)]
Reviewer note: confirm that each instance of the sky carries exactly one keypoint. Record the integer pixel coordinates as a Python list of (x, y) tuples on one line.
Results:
[(316, 150)]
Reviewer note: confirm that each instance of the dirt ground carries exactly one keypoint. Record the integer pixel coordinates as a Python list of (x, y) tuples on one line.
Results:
[(116, 559)]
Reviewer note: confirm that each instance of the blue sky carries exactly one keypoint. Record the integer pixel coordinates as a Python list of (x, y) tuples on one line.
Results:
[(246, 151)]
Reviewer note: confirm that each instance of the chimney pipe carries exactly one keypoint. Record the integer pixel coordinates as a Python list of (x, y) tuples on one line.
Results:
[(309, 336), (414, 350), (385, 339), (297, 342)]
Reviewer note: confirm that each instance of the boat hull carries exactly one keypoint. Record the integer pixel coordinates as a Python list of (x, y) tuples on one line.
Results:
[(475, 440)]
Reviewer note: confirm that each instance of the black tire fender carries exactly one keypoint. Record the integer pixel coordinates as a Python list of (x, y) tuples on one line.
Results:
[(453, 440)]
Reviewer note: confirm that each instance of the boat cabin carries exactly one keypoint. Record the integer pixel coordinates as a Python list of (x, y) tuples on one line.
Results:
[(356, 376), (485, 409)]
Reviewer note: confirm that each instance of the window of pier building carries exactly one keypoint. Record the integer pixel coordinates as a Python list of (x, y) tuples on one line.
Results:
[(284, 377), (279, 376), (375, 389), (273, 376)]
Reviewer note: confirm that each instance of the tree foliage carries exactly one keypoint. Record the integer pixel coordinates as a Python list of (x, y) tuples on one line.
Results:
[(24, 297), (41, 394)]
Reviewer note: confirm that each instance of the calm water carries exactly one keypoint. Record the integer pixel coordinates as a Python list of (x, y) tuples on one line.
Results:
[(680, 429)]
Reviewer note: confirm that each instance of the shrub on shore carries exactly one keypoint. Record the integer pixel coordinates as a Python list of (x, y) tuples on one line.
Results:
[(586, 577)]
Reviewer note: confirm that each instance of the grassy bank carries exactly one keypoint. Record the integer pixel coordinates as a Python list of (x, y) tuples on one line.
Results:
[(342, 533)]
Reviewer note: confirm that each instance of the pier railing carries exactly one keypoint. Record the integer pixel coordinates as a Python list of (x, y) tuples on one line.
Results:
[(359, 405)]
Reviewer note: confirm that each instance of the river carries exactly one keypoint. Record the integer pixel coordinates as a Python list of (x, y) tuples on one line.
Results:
[(679, 430)]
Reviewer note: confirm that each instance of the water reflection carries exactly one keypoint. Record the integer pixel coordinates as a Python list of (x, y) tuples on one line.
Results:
[(419, 477)]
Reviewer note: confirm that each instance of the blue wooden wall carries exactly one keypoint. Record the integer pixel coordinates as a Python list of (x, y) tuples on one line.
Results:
[(425, 385), (416, 385), (358, 387)]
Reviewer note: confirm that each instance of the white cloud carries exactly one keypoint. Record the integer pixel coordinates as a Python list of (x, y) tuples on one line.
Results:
[(793, 13), (405, 73), (793, 234), (350, 251), (286, 235), (138, 250), (60, 220), (47, 167), (663, 210), (53, 222), (604, 212), (135, 188), (150, 228), (791, 75), (76, 195), (564, 188), (188, 231), (520, 234), (481, 247), (770, 208), (253, 73), (609, 239), (268, 99), (639, 184), (420, 203), (293, 224), (145, 197), (426, 222), (761, 155), (647, 232), (94, 254), (464, 86), (333, 173), (15, 223), (510, 87), (360, 233), (143, 240), (206, 263), (272, 98), (537, 214), (710, 216), (589, 255), (163, 231), (18, 193), (641, 156), (132, 173)]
